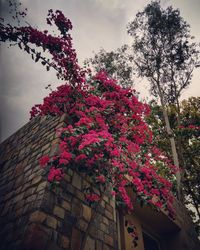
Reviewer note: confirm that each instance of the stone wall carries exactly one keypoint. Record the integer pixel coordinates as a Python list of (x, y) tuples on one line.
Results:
[(34, 217)]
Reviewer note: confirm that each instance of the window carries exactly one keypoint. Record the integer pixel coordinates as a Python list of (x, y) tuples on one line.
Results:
[(150, 243)]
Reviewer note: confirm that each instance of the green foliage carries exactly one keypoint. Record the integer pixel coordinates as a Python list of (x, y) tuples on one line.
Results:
[(163, 50), (189, 132), (118, 64)]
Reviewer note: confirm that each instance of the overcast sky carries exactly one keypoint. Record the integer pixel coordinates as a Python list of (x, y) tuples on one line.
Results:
[(96, 24)]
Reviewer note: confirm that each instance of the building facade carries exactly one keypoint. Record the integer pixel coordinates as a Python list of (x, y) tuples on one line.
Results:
[(32, 216)]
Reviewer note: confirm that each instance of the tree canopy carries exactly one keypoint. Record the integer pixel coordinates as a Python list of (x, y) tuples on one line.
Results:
[(164, 51), (118, 64), (165, 54), (189, 131)]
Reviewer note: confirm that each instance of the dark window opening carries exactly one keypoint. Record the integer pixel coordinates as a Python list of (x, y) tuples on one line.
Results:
[(150, 243)]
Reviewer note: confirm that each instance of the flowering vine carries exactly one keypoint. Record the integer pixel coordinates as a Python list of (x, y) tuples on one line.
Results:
[(63, 56), (106, 135)]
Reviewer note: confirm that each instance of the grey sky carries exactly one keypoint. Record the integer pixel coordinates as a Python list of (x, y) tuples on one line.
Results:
[(97, 23)]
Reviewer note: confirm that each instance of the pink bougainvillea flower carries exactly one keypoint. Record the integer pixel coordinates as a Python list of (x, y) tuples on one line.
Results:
[(55, 174), (66, 155), (44, 160), (101, 178), (80, 157), (92, 197)]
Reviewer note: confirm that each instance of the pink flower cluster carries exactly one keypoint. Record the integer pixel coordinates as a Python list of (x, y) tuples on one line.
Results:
[(106, 134), (44, 160), (64, 58), (65, 157), (109, 138), (55, 174), (101, 178), (63, 23), (126, 198), (92, 197)]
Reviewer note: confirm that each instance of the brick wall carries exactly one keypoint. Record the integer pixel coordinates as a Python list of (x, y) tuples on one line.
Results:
[(34, 217)]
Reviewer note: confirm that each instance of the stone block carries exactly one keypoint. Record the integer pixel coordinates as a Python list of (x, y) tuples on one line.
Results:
[(109, 208), (106, 198), (100, 235), (76, 208), (29, 192), (42, 186), (65, 242), (31, 177), (70, 172), (76, 239), (47, 146), (109, 215), (80, 195), (18, 197), (77, 181), (103, 204), (31, 198), (71, 189), (93, 231), (106, 247), (58, 211), (36, 180), (48, 202), (90, 244), (105, 220), (108, 240), (87, 213), (65, 195), (66, 205), (19, 181), (18, 169), (27, 168), (54, 150), (112, 203), (18, 190), (67, 178), (19, 204), (51, 222), (25, 186), (63, 118), (37, 216), (99, 245), (82, 225), (103, 227)]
